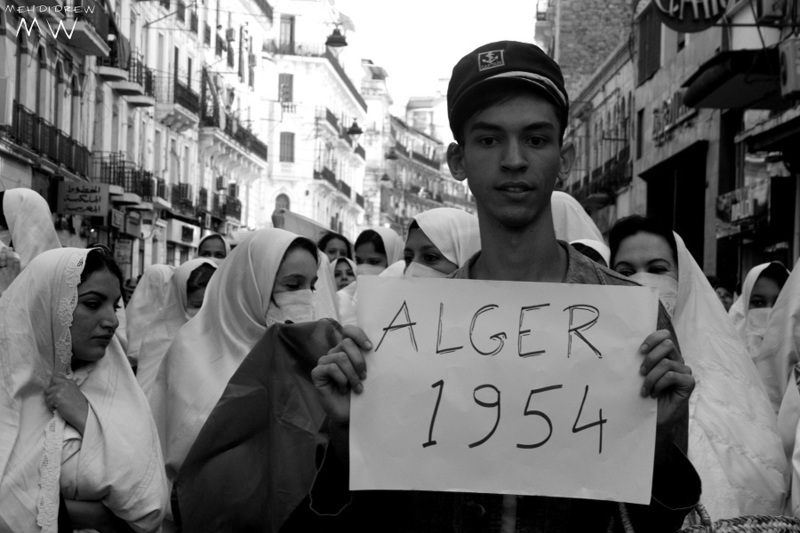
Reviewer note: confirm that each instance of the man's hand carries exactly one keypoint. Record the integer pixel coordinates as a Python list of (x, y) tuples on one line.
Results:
[(665, 377), (64, 396), (342, 369)]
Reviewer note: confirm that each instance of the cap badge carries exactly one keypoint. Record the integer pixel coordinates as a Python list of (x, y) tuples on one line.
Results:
[(490, 59)]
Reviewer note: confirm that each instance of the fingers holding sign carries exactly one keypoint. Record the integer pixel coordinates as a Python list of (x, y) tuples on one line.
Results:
[(666, 377), (341, 370)]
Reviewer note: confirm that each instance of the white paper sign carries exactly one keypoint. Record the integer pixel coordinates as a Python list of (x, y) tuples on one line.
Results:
[(504, 387)]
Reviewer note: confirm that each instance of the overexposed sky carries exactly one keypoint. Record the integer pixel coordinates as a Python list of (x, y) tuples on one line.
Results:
[(419, 41)]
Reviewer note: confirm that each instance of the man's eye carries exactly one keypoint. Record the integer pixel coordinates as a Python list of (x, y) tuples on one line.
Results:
[(487, 141)]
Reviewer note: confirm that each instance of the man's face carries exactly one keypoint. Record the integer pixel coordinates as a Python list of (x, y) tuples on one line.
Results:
[(511, 157)]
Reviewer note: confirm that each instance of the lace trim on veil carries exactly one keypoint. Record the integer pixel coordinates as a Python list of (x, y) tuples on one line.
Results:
[(50, 466)]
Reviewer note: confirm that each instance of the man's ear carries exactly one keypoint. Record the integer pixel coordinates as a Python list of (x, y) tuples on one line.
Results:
[(567, 159), (455, 161)]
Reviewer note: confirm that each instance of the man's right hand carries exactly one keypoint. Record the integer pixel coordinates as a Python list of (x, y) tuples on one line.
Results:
[(341, 370)]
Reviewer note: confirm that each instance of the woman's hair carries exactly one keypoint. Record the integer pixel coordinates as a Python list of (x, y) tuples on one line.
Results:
[(99, 259), (303, 243), (199, 277), (371, 236), (331, 236), (631, 225), (776, 272)]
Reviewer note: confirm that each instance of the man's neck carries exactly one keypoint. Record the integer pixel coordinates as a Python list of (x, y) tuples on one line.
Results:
[(530, 254)]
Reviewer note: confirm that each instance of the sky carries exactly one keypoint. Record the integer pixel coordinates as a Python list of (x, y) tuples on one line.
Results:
[(419, 41)]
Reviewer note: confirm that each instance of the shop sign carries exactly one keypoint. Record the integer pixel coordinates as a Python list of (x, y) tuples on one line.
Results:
[(123, 251), (117, 219), (133, 223), (690, 16), (81, 198), (738, 210), (669, 115)]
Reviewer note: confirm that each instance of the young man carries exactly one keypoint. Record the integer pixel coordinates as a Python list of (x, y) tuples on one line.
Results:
[(508, 109)]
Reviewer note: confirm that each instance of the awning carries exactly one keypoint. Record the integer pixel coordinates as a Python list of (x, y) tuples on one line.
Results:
[(737, 79)]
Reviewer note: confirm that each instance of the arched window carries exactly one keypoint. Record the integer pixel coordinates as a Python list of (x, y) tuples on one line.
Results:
[(41, 90), (282, 202), (58, 96), (22, 65), (75, 111)]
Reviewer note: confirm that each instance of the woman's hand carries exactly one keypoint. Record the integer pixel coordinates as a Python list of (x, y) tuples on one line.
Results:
[(666, 377), (340, 370), (64, 395)]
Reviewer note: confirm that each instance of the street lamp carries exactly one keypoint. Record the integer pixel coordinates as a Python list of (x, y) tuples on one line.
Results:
[(336, 39), (355, 131)]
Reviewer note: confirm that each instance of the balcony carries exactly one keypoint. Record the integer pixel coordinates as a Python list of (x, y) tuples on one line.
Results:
[(235, 147), (177, 105), (325, 174), (425, 160), (114, 67), (89, 30), (316, 50), (44, 139), (345, 188), (139, 85), (360, 152), (114, 169), (182, 200)]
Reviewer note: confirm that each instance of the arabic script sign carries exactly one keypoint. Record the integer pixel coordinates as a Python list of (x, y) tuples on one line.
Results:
[(80, 198)]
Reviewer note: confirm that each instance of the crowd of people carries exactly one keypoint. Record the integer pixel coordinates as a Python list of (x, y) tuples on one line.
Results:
[(214, 396)]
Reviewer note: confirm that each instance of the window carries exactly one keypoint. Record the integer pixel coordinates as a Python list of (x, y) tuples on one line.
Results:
[(681, 41), (286, 43), (287, 147), (282, 202), (639, 133), (41, 91), (286, 87), (649, 44)]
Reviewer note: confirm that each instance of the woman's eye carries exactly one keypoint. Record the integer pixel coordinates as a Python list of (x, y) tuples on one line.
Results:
[(374, 261), (431, 258), (757, 304)]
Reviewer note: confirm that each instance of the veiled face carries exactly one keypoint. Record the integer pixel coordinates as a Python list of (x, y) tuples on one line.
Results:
[(212, 248), (94, 319), (420, 249), (335, 248), (645, 252), (764, 294), (343, 274)]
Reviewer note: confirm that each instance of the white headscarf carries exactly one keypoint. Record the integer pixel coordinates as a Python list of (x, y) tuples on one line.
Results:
[(780, 351), (209, 348), (453, 231), (173, 314), (117, 460), (30, 224), (392, 243), (145, 304), (225, 243), (570, 219), (741, 307), (598, 246), (733, 438), (777, 362)]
